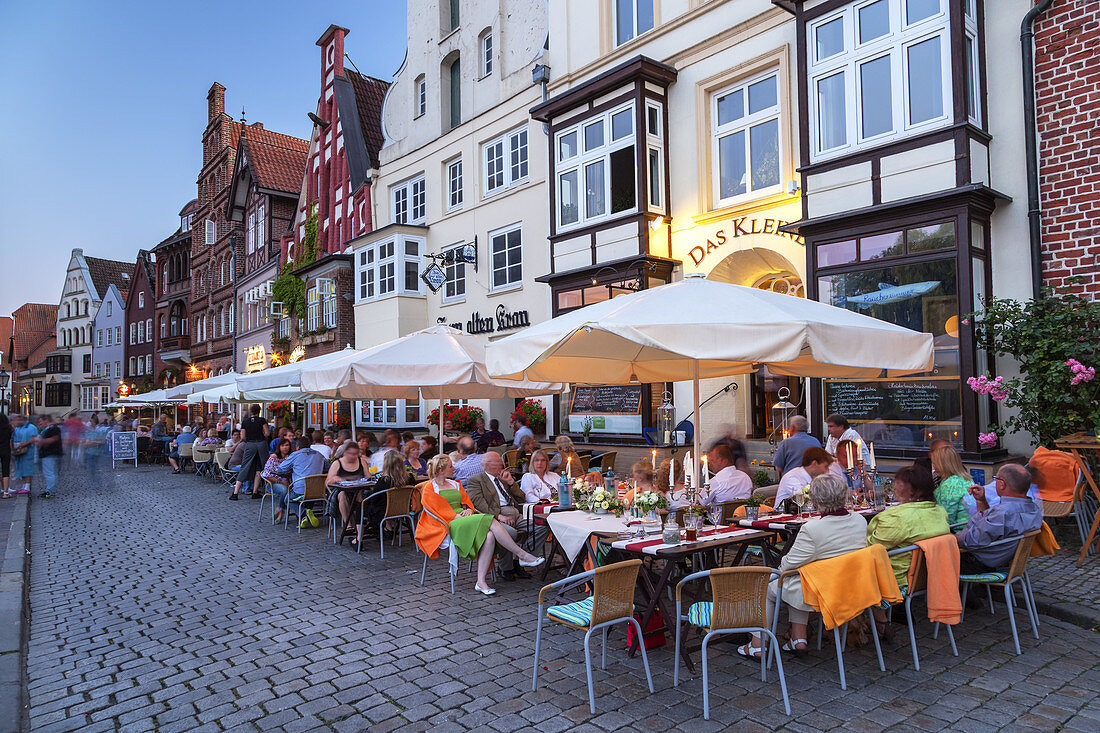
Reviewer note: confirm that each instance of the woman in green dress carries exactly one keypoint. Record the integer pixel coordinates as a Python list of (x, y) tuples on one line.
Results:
[(473, 534), (955, 481)]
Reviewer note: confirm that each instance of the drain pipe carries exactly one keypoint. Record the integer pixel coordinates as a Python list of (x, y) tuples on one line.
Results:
[(1031, 144)]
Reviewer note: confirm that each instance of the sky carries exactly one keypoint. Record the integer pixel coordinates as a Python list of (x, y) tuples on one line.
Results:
[(103, 104)]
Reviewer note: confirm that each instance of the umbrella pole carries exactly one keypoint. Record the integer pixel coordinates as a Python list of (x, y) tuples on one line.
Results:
[(696, 456), (440, 420)]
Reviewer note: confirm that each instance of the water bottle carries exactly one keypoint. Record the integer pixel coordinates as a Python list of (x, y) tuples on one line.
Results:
[(565, 492), (609, 483)]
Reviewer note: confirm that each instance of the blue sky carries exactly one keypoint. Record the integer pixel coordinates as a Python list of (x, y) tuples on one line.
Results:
[(102, 107)]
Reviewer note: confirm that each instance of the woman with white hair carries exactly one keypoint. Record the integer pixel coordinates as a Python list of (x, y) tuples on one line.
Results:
[(837, 531)]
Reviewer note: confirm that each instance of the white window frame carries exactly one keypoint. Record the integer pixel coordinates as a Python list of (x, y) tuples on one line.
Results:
[(118, 369), (326, 288), (485, 47), (400, 408), (133, 334), (149, 330), (99, 337), (583, 158), (973, 71), (454, 184), (251, 237), (456, 276), (141, 302), (745, 125), (896, 44), (261, 226), (421, 97), (634, 30), (408, 201), (503, 232), (372, 263), (514, 160), (132, 366), (313, 309), (211, 231)]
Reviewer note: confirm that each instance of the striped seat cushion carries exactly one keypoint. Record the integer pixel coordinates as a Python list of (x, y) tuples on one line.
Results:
[(993, 577), (699, 614), (578, 613)]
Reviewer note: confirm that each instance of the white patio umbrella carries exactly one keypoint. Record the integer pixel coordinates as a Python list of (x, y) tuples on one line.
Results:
[(149, 399), (433, 362), (182, 390), (231, 393), (288, 375), (698, 328)]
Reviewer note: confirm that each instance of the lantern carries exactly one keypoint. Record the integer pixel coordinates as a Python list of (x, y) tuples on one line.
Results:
[(666, 418), (784, 407)]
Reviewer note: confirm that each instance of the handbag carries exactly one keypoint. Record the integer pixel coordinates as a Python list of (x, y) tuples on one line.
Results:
[(653, 635), (19, 451)]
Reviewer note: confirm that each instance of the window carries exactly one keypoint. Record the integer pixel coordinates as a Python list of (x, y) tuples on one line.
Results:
[(745, 138), (133, 368), (454, 184), (596, 168), (505, 160), (163, 327), (141, 302), (408, 201), (487, 53), (211, 231), (149, 330), (59, 364), (97, 369), (133, 334), (261, 226), (452, 15), (970, 51), (148, 363), (632, 18), (879, 71), (58, 394), (251, 236), (141, 332), (389, 413), (118, 336), (99, 337), (454, 95), (326, 288), (506, 251), (454, 287), (87, 363), (421, 96), (391, 266), (118, 369)]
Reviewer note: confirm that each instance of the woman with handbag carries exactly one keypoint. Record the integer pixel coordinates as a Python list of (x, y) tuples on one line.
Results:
[(540, 483)]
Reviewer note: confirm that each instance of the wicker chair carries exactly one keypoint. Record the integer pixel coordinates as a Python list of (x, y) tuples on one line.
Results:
[(314, 492), (511, 457), (919, 587), (611, 602), (1015, 574), (398, 507), (445, 546), (1077, 508), (228, 475), (586, 461), (739, 605)]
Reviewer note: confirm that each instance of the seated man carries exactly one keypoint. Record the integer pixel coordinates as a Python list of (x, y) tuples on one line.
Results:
[(184, 438), (469, 463), (343, 440), (391, 440), (815, 461), (788, 456), (306, 461), (728, 483), (496, 493), (1015, 515)]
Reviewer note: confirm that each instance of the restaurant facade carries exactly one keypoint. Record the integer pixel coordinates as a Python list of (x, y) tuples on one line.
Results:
[(862, 153)]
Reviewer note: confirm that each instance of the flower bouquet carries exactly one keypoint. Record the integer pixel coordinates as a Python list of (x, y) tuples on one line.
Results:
[(650, 501), (600, 501)]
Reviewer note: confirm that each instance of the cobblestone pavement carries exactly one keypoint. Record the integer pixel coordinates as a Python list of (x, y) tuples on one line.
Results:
[(1058, 578), (159, 605)]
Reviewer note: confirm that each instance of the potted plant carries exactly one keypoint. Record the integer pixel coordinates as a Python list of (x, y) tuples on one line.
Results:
[(752, 508), (534, 412), (586, 428)]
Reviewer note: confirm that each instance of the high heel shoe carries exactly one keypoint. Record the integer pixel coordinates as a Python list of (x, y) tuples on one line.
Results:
[(484, 591)]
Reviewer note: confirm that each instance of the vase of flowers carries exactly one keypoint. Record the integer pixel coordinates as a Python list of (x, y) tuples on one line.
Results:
[(752, 508), (649, 502), (600, 501)]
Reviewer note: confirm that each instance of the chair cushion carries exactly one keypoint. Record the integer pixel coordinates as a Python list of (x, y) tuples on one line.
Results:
[(994, 577), (578, 613), (699, 614)]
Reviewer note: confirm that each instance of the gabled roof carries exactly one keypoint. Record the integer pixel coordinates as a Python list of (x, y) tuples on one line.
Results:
[(273, 161), (107, 272), (359, 100), (33, 324), (144, 260)]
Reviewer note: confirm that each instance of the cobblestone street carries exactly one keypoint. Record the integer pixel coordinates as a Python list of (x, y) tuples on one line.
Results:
[(158, 605)]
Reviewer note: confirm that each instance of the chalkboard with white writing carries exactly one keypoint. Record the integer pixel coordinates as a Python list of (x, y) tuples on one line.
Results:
[(917, 401), (619, 400)]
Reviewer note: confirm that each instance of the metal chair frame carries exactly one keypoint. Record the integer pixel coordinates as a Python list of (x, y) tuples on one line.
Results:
[(227, 475), (569, 583), (919, 574), (309, 496), (400, 516), (772, 641), (452, 573), (1017, 573)]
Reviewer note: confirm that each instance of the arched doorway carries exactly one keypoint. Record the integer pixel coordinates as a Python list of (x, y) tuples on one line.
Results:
[(751, 405)]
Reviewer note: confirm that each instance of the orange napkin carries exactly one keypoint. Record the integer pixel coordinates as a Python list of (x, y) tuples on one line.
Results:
[(1044, 543), (845, 586), (941, 558), (1057, 474)]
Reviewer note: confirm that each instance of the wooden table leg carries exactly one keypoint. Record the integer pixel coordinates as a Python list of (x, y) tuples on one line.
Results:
[(656, 603), (1096, 520)]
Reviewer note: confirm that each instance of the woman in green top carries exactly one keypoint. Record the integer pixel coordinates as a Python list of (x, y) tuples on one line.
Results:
[(918, 517), (955, 480)]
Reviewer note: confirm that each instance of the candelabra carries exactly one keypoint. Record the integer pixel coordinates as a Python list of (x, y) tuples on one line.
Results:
[(868, 482)]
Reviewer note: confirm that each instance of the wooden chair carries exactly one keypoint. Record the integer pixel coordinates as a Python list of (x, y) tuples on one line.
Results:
[(511, 457), (611, 602), (607, 460), (738, 605), (314, 492), (1014, 574), (585, 462), (919, 587)]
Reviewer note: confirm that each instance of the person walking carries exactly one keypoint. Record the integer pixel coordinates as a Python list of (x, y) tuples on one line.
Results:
[(50, 450), (256, 432), (5, 456), (23, 453)]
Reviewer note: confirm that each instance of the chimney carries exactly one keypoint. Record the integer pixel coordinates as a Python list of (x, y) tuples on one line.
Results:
[(215, 101)]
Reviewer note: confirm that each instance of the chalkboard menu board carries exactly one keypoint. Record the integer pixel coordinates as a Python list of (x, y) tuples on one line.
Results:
[(620, 400), (917, 401), (123, 447)]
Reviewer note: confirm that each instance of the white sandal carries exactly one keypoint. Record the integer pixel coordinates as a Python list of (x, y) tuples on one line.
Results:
[(791, 645), (484, 591), (750, 652)]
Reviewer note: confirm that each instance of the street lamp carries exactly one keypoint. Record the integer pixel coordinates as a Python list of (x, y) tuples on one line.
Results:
[(4, 377)]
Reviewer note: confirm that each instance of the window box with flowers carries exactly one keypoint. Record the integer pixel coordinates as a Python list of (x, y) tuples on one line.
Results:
[(463, 418), (534, 412)]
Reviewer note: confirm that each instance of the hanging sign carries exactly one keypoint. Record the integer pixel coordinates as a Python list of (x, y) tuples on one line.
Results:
[(434, 277)]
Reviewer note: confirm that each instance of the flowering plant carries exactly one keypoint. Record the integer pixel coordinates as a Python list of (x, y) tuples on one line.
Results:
[(650, 500), (342, 422), (533, 411), (599, 499), (463, 418), (279, 405)]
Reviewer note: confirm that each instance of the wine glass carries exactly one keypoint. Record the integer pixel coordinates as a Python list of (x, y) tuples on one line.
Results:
[(799, 499)]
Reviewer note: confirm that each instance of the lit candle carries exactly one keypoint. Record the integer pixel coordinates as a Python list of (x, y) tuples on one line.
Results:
[(569, 467), (653, 462), (671, 475), (705, 476), (848, 455), (689, 470), (872, 447)]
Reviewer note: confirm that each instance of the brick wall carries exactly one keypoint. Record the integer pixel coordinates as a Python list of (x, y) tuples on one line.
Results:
[(1067, 63)]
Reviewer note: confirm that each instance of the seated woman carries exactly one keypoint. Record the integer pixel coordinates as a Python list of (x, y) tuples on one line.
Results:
[(837, 531), (473, 534), (413, 461), (348, 467), (955, 481), (210, 439), (540, 483), (918, 517), (642, 473), (677, 496), (565, 448), (278, 484), (527, 448)]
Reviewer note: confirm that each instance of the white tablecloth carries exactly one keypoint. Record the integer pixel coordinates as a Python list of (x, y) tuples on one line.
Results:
[(573, 528)]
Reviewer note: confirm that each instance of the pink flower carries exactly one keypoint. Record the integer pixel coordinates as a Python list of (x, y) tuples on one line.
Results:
[(966, 321), (987, 440)]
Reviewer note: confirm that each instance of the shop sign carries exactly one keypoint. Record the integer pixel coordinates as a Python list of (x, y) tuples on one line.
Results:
[(741, 227), (297, 354), (434, 277), (505, 320), (255, 358)]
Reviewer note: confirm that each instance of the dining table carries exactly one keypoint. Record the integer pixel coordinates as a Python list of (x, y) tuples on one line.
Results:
[(1079, 445)]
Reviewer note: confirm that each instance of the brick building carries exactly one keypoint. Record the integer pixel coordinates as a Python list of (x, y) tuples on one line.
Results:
[(34, 327), (173, 301), (1067, 95), (139, 361), (263, 195)]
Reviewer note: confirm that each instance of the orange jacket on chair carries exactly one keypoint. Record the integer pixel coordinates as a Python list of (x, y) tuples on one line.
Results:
[(1057, 474), (845, 586), (429, 531), (1044, 543), (941, 562)]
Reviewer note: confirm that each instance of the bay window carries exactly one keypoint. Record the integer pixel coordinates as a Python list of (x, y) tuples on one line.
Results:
[(390, 267), (745, 138), (505, 160), (596, 168), (880, 71), (326, 290), (313, 309)]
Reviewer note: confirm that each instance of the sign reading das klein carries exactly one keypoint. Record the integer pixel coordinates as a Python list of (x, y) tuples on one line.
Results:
[(741, 227)]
